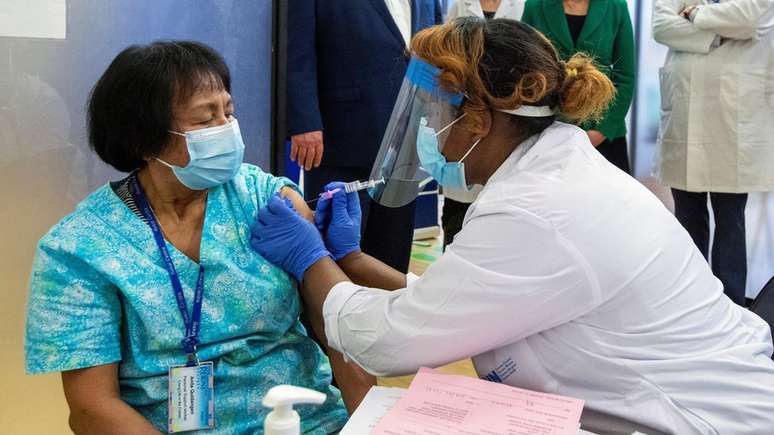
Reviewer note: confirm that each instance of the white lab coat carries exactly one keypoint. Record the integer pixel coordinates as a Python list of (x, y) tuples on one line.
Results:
[(717, 102), (512, 9), (570, 277)]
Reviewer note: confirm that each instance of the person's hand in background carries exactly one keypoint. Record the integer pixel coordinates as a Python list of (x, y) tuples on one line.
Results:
[(688, 11), (306, 149), (285, 238), (596, 137), (338, 219)]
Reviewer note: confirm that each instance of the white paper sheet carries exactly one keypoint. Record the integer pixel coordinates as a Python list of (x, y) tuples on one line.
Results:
[(374, 406), (33, 18)]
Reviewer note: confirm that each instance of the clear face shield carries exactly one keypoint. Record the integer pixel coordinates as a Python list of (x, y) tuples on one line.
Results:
[(421, 101)]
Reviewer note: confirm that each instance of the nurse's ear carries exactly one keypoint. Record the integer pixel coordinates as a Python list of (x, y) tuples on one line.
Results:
[(477, 120), (477, 124)]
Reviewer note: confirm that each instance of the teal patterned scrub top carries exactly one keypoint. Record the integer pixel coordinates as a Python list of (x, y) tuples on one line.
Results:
[(99, 294)]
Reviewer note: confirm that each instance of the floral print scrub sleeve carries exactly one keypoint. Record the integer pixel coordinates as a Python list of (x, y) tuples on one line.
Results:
[(74, 314)]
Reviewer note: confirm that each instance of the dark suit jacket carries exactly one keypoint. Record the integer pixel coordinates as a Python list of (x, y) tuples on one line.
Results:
[(346, 61)]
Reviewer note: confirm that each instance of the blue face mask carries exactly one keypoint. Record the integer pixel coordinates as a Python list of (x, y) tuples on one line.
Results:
[(216, 153), (447, 174)]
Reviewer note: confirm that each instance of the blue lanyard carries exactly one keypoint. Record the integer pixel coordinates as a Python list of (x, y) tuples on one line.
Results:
[(192, 323)]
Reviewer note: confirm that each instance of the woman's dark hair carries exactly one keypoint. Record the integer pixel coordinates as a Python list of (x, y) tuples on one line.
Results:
[(503, 64), (130, 107)]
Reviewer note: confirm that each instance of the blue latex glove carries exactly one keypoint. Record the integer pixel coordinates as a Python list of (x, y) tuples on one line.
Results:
[(322, 214), (338, 219), (285, 238)]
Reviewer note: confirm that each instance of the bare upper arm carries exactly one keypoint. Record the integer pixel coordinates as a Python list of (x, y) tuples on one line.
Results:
[(94, 397), (82, 387), (298, 203)]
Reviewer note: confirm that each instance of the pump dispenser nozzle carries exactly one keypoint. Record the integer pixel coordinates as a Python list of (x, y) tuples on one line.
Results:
[(283, 420)]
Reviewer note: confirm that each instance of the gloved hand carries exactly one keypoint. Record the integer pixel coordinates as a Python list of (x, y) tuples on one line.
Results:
[(285, 238), (338, 219), (322, 214)]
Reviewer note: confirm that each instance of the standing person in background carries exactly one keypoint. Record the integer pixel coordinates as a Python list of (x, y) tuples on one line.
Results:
[(716, 121), (603, 30), (456, 201), (346, 61), (488, 9)]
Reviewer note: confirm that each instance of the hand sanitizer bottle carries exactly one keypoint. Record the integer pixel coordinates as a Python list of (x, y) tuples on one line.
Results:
[(283, 420)]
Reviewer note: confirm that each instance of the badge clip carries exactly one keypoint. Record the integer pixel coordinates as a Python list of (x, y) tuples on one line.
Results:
[(192, 359)]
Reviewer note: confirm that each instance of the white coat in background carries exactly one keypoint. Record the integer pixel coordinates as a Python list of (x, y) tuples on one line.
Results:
[(717, 101), (570, 277), (512, 9)]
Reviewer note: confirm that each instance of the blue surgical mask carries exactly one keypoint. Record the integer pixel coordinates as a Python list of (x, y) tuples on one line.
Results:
[(216, 153), (447, 174)]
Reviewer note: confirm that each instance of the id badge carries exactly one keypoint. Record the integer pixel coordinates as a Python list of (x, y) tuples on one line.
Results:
[(191, 399)]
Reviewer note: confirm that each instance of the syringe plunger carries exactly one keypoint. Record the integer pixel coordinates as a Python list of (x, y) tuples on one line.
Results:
[(356, 186)]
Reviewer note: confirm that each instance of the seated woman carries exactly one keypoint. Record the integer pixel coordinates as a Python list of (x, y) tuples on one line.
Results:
[(104, 305)]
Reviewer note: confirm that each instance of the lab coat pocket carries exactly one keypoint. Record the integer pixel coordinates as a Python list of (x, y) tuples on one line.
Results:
[(754, 87), (755, 128), (666, 89), (754, 113)]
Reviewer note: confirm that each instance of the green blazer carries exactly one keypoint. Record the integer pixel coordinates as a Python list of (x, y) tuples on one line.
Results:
[(607, 35)]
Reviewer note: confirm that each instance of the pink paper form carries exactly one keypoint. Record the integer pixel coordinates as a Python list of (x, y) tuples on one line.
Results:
[(438, 404)]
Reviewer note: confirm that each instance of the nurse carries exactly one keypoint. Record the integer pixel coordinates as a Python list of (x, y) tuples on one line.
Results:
[(154, 271), (568, 276)]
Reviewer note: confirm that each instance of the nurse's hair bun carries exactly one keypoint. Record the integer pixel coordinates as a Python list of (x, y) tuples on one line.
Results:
[(586, 91), (503, 64)]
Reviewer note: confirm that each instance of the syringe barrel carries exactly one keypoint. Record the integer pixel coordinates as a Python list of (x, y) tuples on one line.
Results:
[(356, 186), (353, 186)]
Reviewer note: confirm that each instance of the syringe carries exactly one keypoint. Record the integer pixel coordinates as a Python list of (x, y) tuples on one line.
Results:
[(353, 186)]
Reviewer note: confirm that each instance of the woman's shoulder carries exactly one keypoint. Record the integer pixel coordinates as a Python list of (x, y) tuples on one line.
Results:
[(258, 181), (619, 6), (532, 4), (532, 11), (253, 185), (536, 4), (81, 223), (459, 7), (251, 170)]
